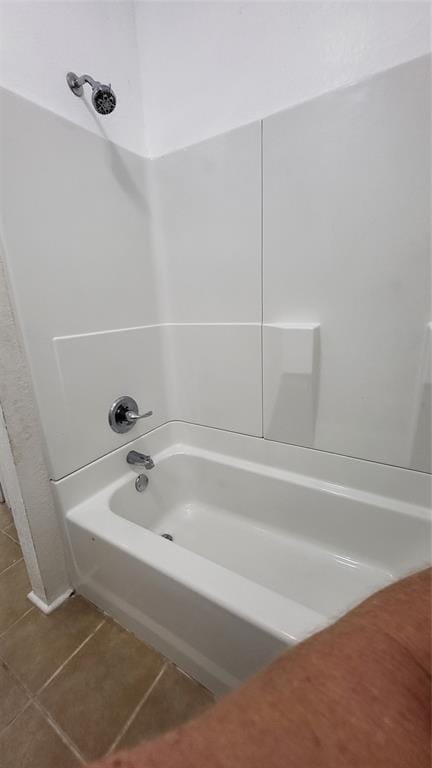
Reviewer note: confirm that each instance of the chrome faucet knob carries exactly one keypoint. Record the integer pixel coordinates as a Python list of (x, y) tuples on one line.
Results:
[(124, 413)]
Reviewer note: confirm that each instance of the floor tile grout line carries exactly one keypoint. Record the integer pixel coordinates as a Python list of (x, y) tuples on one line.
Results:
[(45, 714), (20, 560), (66, 661), (59, 731), (10, 537), (133, 715), (14, 623), (33, 696), (2, 530), (26, 705)]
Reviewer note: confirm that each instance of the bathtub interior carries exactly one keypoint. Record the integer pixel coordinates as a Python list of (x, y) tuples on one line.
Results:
[(321, 544)]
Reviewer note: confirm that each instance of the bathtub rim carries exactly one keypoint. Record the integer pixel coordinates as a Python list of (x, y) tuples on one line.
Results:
[(400, 484)]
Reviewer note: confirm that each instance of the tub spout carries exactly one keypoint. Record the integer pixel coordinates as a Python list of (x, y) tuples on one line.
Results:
[(134, 457)]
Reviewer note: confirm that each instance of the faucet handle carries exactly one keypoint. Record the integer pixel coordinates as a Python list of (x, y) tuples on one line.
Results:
[(124, 413), (132, 417)]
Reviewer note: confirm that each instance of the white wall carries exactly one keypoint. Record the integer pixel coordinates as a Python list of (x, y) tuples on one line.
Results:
[(347, 245), (76, 219), (207, 207), (119, 268), (41, 41), (23, 464), (207, 67), (185, 71)]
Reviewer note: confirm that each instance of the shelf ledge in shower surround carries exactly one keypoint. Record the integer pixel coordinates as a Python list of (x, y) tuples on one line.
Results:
[(298, 344), (291, 354)]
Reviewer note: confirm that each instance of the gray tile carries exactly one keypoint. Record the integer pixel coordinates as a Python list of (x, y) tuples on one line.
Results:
[(10, 552), (174, 700), (37, 646), (31, 742), (5, 516), (12, 532), (14, 588), (98, 689), (13, 697)]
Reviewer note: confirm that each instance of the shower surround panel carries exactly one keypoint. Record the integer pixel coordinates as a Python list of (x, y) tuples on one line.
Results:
[(160, 289)]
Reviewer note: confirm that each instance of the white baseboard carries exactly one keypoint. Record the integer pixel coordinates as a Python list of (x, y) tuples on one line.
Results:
[(49, 607)]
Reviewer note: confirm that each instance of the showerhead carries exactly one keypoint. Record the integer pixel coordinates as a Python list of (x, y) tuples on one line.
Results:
[(103, 97)]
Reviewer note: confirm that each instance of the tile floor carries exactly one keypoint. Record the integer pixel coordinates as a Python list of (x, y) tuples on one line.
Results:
[(75, 685)]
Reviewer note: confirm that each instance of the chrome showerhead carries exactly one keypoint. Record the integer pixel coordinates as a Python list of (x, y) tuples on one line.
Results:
[(103, 97)]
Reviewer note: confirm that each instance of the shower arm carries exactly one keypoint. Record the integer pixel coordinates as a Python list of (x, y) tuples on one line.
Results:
[(76, 83)]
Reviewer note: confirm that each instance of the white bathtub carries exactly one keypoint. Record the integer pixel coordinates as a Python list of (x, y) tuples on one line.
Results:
[(271, 542)]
